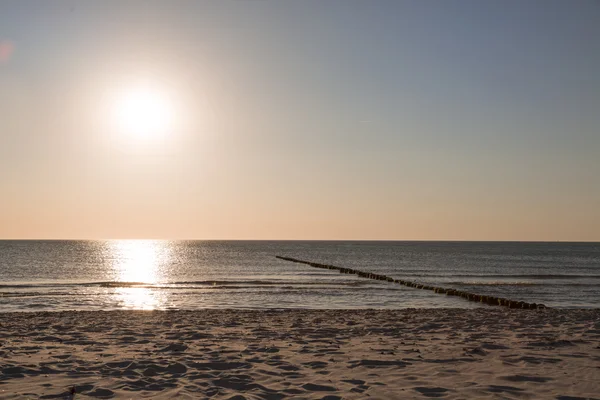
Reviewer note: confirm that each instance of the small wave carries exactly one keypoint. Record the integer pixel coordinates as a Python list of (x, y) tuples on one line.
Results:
[(502, 276), (190, 290), (509, 283), (236, 284), (546, 276), (36, 305), (33, 294), (188, 284), (500, 283)]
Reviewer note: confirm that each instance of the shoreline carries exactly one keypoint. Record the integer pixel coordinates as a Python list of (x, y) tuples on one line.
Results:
[(298, 353), (483, 307)]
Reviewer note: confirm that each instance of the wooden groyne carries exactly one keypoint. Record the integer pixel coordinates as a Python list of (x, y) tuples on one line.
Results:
[(491, 300)]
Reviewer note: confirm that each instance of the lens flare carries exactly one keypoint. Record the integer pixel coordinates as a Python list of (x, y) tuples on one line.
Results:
[(6, 50)]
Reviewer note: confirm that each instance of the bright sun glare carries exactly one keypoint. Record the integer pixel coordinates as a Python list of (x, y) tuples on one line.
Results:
[(144, 112)]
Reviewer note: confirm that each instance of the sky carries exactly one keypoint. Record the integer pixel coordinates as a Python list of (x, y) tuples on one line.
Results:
[(370, 120)]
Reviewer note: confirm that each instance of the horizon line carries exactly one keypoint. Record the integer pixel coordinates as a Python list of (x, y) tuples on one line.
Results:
[(300, 240)]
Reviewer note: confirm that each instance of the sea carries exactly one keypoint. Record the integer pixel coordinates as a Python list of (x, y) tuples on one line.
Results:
[(191, 275)]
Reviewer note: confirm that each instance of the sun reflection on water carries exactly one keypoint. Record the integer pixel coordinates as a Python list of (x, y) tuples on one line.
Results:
[(140, 298), (139, 264)]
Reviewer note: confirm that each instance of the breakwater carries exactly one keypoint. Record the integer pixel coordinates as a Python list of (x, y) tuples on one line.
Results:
[(490, 300)]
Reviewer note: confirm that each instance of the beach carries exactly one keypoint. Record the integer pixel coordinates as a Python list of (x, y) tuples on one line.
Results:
[(494, 353)]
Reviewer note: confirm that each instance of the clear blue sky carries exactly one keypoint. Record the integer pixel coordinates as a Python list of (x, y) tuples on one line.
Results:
[(466, 120)]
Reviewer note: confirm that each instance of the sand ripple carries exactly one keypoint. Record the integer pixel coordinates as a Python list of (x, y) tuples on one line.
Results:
[(327, 354)]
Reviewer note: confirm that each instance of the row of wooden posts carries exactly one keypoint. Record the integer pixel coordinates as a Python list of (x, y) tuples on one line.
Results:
[(491, 300)]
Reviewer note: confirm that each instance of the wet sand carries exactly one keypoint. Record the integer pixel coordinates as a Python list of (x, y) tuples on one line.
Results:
[(328, 354)]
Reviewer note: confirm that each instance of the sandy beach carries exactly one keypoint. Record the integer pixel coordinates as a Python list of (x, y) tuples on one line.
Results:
[(331, 354)]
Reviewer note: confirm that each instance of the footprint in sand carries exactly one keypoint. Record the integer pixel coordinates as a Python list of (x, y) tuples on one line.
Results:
[(100, 393), (523, 378), (515, 391), (311, 387), (377, 363), (431, 391)]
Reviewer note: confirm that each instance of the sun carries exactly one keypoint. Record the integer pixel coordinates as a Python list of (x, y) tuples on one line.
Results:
[(143, 112)]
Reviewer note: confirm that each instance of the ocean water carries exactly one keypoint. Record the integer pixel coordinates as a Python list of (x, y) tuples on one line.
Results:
[(106, 275)]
